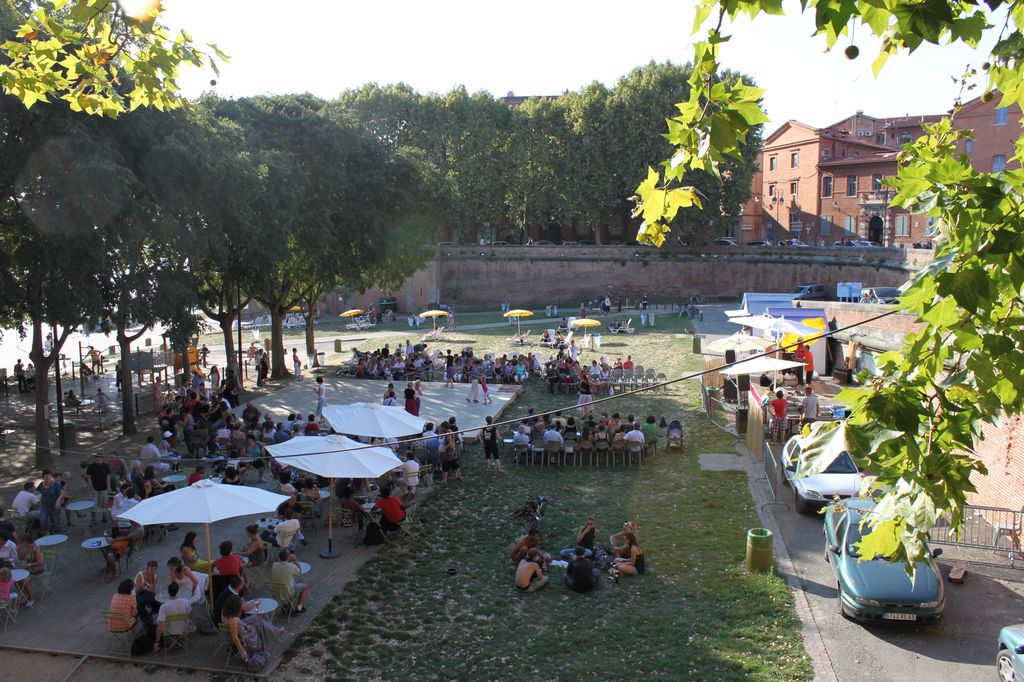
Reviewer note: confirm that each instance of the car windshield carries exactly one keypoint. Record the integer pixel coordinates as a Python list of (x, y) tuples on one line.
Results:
[(843, 464), (886, 292), (799, 290)]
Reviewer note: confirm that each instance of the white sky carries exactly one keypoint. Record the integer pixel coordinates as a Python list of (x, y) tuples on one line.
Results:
[(534, 48)]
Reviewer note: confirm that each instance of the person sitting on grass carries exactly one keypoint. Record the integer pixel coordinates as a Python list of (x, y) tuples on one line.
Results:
[(617, 540), (529, 573), (579, 574), (632, 563), (525, 544)]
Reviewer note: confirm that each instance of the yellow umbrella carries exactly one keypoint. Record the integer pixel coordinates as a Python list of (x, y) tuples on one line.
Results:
[(790, 341), (296, 309), (434, 314), (586, 322), (352, 313), (518, 313)]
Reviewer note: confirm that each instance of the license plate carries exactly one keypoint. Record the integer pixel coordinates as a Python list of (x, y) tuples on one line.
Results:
[(899, 616)]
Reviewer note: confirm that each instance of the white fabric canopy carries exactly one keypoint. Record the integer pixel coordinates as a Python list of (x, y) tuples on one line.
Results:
[(760, 366), (373, 420), (203, 502), (735, 313), (779, 325), (324, 457)]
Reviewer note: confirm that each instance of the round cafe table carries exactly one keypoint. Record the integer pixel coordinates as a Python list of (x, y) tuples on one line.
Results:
[(52, 540), (304, 568), (19, 574), (81, 506), (267, 605), (99, 542), (174, 478)]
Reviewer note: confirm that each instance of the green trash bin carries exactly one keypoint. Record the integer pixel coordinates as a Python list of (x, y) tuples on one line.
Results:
[(337, 345), (696, 345), (759, 550)]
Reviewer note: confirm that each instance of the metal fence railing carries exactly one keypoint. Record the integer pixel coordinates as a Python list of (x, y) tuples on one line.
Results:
[(995, 528)]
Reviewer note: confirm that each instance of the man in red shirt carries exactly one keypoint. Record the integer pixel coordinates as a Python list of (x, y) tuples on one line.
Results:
[(229, 563), (197, 475), (392, 510), (312, 428), (778, 406)]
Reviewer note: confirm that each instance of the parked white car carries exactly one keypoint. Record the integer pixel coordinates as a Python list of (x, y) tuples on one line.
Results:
[(842, 478)]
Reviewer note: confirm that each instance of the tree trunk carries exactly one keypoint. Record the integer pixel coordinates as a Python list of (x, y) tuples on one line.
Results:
[(227, 328), (182, 346), (310, 339), (279, 369), (124, 344), (44, 456)]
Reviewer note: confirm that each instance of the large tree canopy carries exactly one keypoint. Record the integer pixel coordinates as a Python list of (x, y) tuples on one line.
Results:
[(916, 422)]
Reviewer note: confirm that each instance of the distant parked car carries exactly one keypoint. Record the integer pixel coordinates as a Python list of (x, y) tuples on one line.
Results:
[(873, 589), (840, 479), (499, 243), (445, 244), (572, 243), (885, 295), (760, 243), (1010, 658), (587, 242), (543, 242), (793, 243), (864, 244), (809, 292), (726, 241)]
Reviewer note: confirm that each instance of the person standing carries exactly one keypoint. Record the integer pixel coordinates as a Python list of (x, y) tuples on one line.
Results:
[(485, 388), (97, 476), (449, 369), (779, 422), (489, 436), (204, 353), (411, 405), (800, 355), (296, 363), (19, 374), (474, 382), (808, 407), (51, 495), (418, 388), (321, 398), (583, 403)]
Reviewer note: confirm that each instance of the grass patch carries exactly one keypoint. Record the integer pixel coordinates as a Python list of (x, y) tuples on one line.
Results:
[(695, 614)]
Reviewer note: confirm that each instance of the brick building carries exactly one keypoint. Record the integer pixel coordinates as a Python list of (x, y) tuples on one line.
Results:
[(827, 184)]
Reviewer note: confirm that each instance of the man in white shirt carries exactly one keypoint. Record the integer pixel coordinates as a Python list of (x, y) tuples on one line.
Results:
[(411, 474), (809, 406), (288, 529), (635, 435), (574, 351), (8, 550), (172, 607), (552, 435), (26, 502), (150, 454)]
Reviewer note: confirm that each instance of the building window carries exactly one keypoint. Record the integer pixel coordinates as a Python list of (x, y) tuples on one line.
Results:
[(968, 147), (880, 138), (906, 138), (794, 158), (876, 182), (792, 188), (826, 153), (826, 186), (794, 219), (850, 224), (1000, 117), (851, 185), (771, 190), (902, 226), (998, 162), (826, 225), (773, 162)]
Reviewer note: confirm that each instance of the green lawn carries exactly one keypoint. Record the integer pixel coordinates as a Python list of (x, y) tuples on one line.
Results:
[(695, 615)]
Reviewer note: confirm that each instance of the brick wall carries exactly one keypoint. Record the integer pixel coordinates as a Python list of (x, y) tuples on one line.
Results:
[(1002, 451)]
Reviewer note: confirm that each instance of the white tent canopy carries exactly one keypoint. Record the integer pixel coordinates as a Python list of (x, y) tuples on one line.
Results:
[(327, 457), (741, 343), (373, 420), (760, 366)]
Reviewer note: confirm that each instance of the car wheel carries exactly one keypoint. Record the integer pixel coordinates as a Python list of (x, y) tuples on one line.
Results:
[(1004, 666), (799, 503)]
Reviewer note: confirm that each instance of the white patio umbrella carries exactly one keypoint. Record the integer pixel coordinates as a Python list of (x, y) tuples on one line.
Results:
[(373, 420), (777, 325), (334, 457), (741, 343), (203, 502)]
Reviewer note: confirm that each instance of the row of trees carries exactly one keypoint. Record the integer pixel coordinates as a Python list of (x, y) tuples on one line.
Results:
[(148, 218), (575, 158)]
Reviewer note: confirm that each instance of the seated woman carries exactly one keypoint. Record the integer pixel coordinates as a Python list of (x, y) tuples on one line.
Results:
[(71, 400), (153, 486), (545, 338), (231, 477), (614, 326), (191, 584), (308, 492), (7, 594), (349, 502), (190, 555), (145, 590), (123, 608), (249, 636), (618, 540), (122, 541), (633, 561), (254, 550)]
